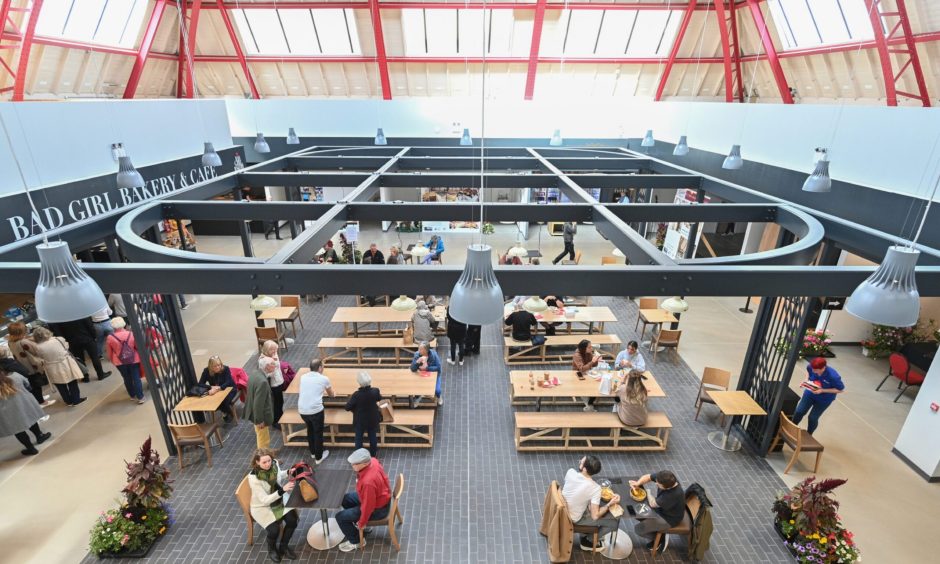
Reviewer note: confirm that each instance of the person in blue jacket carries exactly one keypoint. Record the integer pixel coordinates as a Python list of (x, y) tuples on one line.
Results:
[(815, 402), (427, 360), (436, 246)]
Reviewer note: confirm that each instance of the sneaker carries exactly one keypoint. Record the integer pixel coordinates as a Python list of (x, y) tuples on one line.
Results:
[(43, 437), (440, 401), (105, 375), (347, 546), (46, 397), (29, 451), (589, 408), (80, 400), (44, 418), (367, 531), (186, 306), (48, 402), (586, 544), (141, 401), (326, 455), (461, 363), (451, 362)]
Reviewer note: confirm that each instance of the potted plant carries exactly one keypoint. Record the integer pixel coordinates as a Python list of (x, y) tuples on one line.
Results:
[(488, 228), (807, 518), (129, 531), (815, 343)]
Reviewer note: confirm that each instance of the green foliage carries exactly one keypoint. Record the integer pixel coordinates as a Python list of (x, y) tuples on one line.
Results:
[(807, 515), (148, 481), (488, 229), (815, 343), (885, 339)]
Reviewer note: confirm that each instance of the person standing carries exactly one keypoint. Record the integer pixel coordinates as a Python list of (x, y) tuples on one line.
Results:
[(82, 340), (10, 365), (815, 402), (371, 500), (364, 404), (61, 368), (457, 335), (668, 507), (19, 413), (583, 498), (310, 406), (122, 351), (270, 365), (23, 349), (259, 408), (116, 303), (267, 504), (102, 322), (473, 339), (567, 236)]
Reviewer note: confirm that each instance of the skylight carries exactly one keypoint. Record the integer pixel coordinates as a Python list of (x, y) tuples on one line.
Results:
[(107, 22), (613, 33), (460, 33), (801, 23), (298, 32)]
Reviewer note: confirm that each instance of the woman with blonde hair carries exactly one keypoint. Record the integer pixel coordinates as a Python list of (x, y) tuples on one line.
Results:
[(218, 377), (270, 364), (18, 412), (23, 350), (268, 486), (631, 399), (60, 366)]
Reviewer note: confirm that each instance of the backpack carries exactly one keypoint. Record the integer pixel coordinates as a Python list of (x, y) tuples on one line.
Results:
[(126, 354)]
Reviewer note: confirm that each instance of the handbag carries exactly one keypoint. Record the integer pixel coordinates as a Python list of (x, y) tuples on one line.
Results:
[(385, 409), (74, 361), (197, 391), (408, 337), (302, 475)]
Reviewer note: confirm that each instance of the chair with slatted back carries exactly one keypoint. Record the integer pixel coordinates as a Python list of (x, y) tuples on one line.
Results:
[(394, 513), (712, 379), (666, 338), (293, 301), (243, 495), (610, 260), (269, 334), (798, 439), (195, 434), (645, 303)]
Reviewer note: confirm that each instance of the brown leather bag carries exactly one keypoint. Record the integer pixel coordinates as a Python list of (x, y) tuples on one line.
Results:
[(302, 475), (408, 337)]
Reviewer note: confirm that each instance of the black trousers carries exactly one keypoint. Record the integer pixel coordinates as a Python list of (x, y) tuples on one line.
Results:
[(457, 349), (569, 250), (277, 396), (23, 438), (472, 343), (69, 392), (35, 386), (79, 350), (274, 529), (315, 433)]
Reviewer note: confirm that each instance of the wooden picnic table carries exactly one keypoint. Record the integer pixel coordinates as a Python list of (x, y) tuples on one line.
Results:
[(351, 317), (584, 315), (393, 382)]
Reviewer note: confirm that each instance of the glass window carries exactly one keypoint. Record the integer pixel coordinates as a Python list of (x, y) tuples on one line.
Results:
[(107, 22), (458, 33), (804, 23), (288, 31)]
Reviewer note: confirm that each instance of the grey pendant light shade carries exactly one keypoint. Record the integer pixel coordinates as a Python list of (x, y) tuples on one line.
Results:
[(648, 140), (127, 176), (477, 298), (380, 137), (682, 147), (465, 139), (819, 181), (733, 161), (556, 139), (209, 156), (261, 145), (65, 292), (889, 296), (292, 138)]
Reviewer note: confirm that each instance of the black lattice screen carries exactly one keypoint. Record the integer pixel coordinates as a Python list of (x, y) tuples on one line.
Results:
[(768, 366)]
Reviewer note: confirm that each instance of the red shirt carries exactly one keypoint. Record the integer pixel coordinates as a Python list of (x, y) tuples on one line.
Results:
[(373, 489)]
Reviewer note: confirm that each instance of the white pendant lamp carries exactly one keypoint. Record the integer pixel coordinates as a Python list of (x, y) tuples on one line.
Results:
[(477, 298), (465, 139), (682, 147), (534, 304), (675, 304), (889, 296), (404, 303), (64, 292), (209, 156), (555, 141), (518, 251), (733, 161), (261, 146), (380, 137), (618, 253), (262, 303), (127, 176), (819, 180), (292, 138), (419, 251), (648, 140)]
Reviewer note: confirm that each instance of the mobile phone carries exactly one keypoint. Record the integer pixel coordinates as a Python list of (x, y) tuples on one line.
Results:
[(580, 375), (631, 510)]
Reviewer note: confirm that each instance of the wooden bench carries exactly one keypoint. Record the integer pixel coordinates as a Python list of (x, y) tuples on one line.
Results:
[(528, 353), (541, 431), (412, 428), (351, 353)]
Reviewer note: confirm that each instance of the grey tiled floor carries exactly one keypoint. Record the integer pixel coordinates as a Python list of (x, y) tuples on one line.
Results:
[(472, 497)]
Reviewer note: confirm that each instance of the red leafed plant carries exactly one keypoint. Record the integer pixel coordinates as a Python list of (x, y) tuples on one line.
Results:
[(148, 481), (811, 505)]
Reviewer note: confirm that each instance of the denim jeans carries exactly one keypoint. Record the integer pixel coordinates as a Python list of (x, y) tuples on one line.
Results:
[(131, 375), (815, 410), (349, 516), (102, 330)]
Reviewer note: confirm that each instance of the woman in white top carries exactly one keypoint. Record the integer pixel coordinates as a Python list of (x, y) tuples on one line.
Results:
[(270, 365), (268, 487)]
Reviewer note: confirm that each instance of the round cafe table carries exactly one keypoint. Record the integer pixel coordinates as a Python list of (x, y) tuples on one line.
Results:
[(617, 545)]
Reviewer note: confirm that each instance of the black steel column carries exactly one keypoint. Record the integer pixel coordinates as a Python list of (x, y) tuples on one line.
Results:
[(243, 229), (693, 230), (828, 256)]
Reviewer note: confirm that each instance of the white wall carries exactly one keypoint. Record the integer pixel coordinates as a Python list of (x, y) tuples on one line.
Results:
[(919, 440), (58, 142), (887, 148)]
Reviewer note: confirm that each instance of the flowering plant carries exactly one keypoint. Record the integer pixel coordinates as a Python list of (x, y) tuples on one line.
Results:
[(885, 339), (815, 343), (807, 518)]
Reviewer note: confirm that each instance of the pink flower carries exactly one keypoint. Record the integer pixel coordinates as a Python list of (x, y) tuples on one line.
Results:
[(110, 519), (128, 515), (125, 539)]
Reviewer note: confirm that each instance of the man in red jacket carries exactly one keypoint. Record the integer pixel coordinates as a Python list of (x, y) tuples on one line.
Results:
[(371, 500)]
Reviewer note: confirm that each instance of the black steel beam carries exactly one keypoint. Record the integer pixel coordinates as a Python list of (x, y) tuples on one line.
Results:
[(622, 165), (232, 210), (751, 213), (637, 180), (468, 163), (262, 179), (637, 249), (462, 180), (335, 162), (567, 186), (467, 211)]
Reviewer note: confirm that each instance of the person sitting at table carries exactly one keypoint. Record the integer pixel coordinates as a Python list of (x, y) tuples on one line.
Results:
[(436, 246), (583, 360), (630, 358), (553, 302), (427, 360), (270, 364), (395, 256), (631, 399), (374, 254), (329, 253), (423, 322), (267, 503), (310, 406), (218, 376), (815, 402), (365, 409), (259, 408), (668, 507), (583, 498), (371, 500), (524, 324)]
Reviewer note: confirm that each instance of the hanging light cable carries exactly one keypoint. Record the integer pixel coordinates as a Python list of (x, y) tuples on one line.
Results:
[(682, 147), (734, 161)]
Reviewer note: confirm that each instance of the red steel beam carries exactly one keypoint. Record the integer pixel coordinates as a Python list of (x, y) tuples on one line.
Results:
[(380, 55), (674, 52), (144, 51), (26, 45), (881, 44), (534, 48), (4, 13), (239, 54), (736, 52), (82, 46), (725, 50), (180, 64), (442, 6), (924, 96), (194, 10), (771, 51)]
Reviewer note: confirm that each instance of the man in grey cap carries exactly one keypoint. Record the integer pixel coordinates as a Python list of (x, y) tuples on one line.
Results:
[(371, 500)]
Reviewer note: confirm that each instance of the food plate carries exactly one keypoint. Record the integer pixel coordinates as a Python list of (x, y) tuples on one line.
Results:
[(606, 494), (637, 494)]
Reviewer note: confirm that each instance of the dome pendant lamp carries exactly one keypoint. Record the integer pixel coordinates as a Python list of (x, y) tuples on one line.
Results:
[(209, 156), (682, 147), (262, 303), (292, 138), (380, 137), (404, 303), (261, 145), (648, 140), (889, 296), (64, 292), (555, 141), (477, 298), (127, 176), (819, 181), (733, 161), (465, 139), (534, 304)]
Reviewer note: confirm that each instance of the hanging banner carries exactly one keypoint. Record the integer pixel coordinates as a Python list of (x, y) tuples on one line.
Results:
[(677, 233)]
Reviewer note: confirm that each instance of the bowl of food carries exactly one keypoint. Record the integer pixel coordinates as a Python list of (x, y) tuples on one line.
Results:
[(607, 494), (637, 494)]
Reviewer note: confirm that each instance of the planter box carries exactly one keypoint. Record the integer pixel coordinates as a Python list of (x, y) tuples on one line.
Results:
[(141, 553)]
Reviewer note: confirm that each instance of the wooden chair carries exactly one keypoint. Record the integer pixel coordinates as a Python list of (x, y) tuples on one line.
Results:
[(668, 338), (393, 514), (195, 434), (714, 379), (798, 439), (609, 260), (406, 254), (243, 495), (293, 301), (645, 303), (692, 507), (269, 334), (555, 491)]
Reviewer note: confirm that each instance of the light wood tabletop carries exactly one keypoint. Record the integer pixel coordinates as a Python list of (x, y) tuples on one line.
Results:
[(735, 402), (583, 315), (569, 384), (278, 313), (378, 315), (397, 382), (205, 403), (657, 316)]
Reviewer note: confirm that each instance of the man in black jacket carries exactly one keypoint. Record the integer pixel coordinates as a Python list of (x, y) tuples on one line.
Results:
[(82, 338), (366, 415)]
